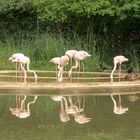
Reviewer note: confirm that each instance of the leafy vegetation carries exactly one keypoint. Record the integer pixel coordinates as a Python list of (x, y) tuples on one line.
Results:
[(104, 28)]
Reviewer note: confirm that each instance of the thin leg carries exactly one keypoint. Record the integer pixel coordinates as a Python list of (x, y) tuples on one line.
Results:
[(119, 72), (83, 71), (25, 74), (78, 72), (56, 72)]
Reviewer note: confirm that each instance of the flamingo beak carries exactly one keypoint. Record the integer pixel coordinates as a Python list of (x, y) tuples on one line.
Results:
[(89, 55), (126, 59), (10, 58)]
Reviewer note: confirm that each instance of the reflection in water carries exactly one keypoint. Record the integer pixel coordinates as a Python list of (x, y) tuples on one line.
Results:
[(22, 110), (72, 106), (118, 109), (133, 98), (49, 116)]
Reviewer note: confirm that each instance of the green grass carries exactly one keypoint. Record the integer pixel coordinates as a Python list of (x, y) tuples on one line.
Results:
[(42, 48)]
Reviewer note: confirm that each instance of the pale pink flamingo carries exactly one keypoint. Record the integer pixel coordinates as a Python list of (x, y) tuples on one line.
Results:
[(56, 61), (14, 56), (118, 60), (118, 109), (61, 62), (24, 60), (71, 53), (78, 57)]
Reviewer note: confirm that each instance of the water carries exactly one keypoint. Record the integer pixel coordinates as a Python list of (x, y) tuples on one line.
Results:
[(44, 121), (71, 111)]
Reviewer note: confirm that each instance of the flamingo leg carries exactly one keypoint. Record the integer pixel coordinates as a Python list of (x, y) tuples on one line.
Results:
[(16, 71), (25, 74), (78, 71), (83, 70), (119, 72), (56, 72)]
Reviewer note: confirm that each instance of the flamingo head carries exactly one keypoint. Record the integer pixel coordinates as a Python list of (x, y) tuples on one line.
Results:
[(81, 55)]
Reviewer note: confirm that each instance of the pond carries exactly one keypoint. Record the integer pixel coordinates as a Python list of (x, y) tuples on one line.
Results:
[(71, 111)]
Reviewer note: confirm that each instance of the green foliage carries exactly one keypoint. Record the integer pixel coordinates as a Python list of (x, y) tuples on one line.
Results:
[(104, 28)]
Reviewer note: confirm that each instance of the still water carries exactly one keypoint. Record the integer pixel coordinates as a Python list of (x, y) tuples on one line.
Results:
[(69, 117)]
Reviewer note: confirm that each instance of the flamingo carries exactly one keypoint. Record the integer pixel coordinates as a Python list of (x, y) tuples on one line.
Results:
[(71, 53), (14, 56), (118, 109), (78, 56), (118, 60), (56, 61), (25, 60), (61, 62)]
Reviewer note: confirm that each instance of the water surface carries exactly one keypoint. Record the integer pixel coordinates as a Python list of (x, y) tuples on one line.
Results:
[(45, 121)]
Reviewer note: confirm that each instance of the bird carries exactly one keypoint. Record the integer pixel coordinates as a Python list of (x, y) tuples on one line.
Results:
[(118, 109), (60, 62), (14, 56), (70, 53), (131, 75), (118, 60), (78, 57), (24, 60), (56, 61)]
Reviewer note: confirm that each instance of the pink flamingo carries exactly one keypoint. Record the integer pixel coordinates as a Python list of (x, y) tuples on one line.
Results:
[(78, 57), (56, 61), (71, 53), (14, 56), (24, 60), (61, 62), (118, 60)]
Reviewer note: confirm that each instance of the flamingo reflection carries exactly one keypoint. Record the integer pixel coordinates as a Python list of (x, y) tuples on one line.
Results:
[(72, 106), (22, 110), (64, 117), (118, 109)]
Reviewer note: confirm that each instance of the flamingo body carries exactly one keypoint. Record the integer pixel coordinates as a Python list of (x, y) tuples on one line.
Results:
[(118, 60)]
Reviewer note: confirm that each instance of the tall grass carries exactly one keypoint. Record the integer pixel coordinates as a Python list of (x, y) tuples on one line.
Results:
[(42, 49)]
